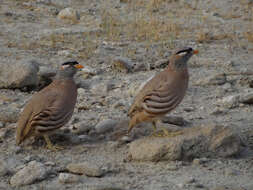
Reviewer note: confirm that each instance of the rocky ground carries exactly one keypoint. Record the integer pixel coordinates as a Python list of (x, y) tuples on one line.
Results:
[(121, 44)]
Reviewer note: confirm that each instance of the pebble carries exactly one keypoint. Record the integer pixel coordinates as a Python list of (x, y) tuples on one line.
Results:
[(80, 128), (100, 88), (122, 64), (172, 167), (68, 178), (105, 125), (87, 168), (231, 101), (69, 14), (190, 180), (105, 187), (3, 133), (199, 161), (1, 125), (34, 171)]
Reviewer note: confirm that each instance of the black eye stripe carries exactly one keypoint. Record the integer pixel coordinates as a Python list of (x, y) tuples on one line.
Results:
[(188, 50), (71, 63)]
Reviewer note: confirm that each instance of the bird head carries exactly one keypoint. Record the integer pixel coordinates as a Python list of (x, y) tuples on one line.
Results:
[(180, 58), (69, 69)]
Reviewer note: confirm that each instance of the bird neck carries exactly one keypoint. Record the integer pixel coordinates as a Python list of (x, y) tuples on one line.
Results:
[(61, 74), (178, 66)]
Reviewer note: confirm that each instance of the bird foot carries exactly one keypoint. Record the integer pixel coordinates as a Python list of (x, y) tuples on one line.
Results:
[(50, 146), (166, 133), (54, 147)]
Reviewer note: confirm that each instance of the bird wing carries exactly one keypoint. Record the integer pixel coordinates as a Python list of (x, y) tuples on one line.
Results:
[(160, 95), (47, 110)]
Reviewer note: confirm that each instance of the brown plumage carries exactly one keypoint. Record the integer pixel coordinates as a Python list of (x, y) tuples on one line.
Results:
[(163, 92), (50, 108)]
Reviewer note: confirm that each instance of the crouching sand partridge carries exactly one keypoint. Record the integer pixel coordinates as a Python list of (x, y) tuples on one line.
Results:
[(163, 92), (50, 108)]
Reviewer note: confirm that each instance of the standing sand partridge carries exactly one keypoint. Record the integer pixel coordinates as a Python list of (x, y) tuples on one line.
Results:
[(163, 92), (50, 108)]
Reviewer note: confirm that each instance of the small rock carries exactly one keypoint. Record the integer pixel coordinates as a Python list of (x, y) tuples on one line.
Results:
[(81, 128), (227, 188), (69, 14), (105, 125), (63, 3), (122, 64), (3, 168), (126, 139), (9, 114), (190, 180), (230, 172), (216, 79), (32, 172), (65, 53), (45, 76), (1, 125), (199, 161), (105, 187), (87, 168), (231, 101), (3, 133), (88, 72), (181, 185), (19, 75), (174, 120), (120, 104), (100, 88), (162, 63), (201, 141), (68, 178), (198, 185), (172, 167), (49, 163), (83, 138), (246, 98)]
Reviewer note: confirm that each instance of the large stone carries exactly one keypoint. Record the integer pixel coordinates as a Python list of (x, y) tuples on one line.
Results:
[(105, 125), (215, 79), (87, 168), (18, 75), (34, 171), (45, 76), (202, 141)]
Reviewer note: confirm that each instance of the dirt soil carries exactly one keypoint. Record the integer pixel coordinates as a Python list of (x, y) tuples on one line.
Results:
[(144, 32)]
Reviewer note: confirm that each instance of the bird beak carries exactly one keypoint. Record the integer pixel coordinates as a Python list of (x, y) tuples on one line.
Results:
[(195, 52), (78, 66)]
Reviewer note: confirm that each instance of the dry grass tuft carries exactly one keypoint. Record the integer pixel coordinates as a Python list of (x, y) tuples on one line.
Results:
[(249, 36)]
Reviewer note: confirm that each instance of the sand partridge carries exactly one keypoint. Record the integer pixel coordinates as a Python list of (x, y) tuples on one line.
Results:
[(163, 92), (50, 108)]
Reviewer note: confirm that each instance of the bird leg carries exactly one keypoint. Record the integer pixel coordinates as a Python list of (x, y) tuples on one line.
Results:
[(50, 146), (165, 132)]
